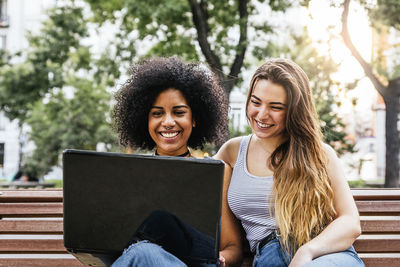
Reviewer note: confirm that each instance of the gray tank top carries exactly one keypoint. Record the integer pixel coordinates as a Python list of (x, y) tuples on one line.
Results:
[(248, 198)]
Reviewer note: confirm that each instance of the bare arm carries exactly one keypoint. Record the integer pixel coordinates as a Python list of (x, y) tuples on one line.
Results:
[(231, 241), (340, 234)]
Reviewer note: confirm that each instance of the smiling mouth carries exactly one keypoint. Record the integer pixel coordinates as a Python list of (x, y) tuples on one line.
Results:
[(264, 125), (169, 134)]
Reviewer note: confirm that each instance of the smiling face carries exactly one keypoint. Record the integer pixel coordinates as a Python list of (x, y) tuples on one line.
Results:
[(266, 110), (170, 123)]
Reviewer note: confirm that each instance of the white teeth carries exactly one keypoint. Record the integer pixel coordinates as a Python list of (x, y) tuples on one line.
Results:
[(169, 135), (263, 125)]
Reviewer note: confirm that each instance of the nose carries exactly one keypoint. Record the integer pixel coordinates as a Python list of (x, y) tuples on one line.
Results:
[(168, 121), (263, 113)]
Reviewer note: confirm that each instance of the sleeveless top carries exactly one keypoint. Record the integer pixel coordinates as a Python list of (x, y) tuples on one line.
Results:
[(249, 198)]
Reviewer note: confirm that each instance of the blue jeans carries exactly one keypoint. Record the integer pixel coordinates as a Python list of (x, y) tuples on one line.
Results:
[(168, 240), (147, 254), (272, 255)]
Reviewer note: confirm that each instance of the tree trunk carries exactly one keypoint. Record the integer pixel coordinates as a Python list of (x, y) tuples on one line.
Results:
[(390, 94), (392, 142), (391, 98)]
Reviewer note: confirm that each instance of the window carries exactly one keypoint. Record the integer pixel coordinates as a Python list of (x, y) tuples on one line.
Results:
[(3, 121), (3, 13), (1, 155), (3, 40)]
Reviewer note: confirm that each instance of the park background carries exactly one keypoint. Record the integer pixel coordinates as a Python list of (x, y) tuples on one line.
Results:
[(61, 62)]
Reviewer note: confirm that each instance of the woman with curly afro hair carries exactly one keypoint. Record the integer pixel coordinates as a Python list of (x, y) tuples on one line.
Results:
[(169, 105), (142, 121)]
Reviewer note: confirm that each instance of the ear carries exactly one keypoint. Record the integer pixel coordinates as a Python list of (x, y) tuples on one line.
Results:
[(194, 124)]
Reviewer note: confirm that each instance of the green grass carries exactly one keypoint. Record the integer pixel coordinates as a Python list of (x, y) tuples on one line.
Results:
[(58, 182), (366, 184), (357, 184)]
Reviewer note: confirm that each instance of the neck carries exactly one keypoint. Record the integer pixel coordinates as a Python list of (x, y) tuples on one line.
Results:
[(187, 153), (270, 144)]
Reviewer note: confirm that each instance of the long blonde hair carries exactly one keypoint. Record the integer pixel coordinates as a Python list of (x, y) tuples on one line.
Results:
[(302, 192)]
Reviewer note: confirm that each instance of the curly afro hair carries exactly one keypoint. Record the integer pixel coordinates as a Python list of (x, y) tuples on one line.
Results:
[(148, 79)]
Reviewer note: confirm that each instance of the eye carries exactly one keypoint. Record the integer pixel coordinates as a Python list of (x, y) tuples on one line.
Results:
[(255, 102), (156, 113), (276, 108), (180, 112)]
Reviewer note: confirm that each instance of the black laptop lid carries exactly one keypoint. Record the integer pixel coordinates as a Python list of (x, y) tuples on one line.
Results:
[(108, 195)]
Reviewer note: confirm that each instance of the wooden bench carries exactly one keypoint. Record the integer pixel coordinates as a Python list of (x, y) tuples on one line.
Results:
[(31, 228)]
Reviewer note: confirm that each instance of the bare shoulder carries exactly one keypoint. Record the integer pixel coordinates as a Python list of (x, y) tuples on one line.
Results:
[(334, 167), (330, 152), (228, 151)]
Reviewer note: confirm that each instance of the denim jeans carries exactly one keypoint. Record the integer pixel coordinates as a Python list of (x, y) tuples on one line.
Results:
[(168, 240), (145, 253), (272, 255)]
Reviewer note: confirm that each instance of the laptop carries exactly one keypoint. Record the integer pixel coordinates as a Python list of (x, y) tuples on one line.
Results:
[(108, 195)]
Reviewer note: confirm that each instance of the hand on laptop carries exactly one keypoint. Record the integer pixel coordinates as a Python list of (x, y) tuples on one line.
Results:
[(221, 261)]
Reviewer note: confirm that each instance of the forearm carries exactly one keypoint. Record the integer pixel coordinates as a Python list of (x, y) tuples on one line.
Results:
[(339, 235), (232, 256)]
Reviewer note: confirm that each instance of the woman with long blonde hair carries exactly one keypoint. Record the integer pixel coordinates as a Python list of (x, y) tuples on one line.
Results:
[(282, 184)]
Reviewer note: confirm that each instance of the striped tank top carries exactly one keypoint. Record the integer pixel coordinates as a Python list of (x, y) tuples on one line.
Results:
[(248, 198)]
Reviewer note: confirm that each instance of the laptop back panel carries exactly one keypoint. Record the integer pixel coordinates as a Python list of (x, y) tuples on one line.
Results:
[(108, 195)]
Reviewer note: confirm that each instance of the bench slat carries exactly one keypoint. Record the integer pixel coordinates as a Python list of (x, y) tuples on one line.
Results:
[(42, 195), (32, 245), (384, 206), (371, 244), (381, 262), (40, 262), (29, 209), (31, 226), (380, 226), (376, 194)]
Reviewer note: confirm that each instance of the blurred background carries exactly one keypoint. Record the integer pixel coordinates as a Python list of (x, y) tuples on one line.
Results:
[(62, 60)]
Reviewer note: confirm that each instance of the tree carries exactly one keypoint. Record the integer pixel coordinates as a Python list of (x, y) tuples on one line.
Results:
[(386, 12), (219, 29), (58, 90), (78, 122)]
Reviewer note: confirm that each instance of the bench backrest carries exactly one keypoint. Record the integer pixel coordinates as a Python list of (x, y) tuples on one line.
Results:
[(31, 228), (379, 244)]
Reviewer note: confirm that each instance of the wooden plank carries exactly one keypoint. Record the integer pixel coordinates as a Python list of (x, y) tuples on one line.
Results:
[(31, 226), (41, 195), (40, 263), (30, 209), (384, 224), (376, 207), (32, 245), (377, 243), (376, 194), (381, 261)]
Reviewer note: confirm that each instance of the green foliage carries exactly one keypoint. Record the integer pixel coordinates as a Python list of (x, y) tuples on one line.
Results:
[(25, 83), (47, 90), (384, 12), (357, 184), (236, 132), (383, 15), (169, 27), (58, 183), (79, 122)]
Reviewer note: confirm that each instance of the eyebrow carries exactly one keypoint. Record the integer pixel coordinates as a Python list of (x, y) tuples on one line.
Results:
[(179, 106), (271, 103)]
